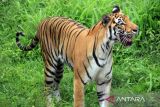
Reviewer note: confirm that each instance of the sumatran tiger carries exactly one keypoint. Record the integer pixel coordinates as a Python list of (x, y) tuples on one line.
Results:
[(87, 51)]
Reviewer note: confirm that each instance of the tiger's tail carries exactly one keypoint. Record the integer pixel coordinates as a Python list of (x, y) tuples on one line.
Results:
[(30, 46)]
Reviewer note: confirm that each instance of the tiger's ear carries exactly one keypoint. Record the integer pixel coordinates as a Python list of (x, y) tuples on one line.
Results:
[(105, 20), (116, 9)]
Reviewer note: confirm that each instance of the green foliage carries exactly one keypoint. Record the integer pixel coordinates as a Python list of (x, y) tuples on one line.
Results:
[(135, 70)]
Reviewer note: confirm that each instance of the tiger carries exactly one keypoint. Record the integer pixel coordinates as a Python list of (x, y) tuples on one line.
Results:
[(88, 51)]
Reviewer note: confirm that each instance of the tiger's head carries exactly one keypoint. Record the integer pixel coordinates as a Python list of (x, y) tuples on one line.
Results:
[(121, 27)]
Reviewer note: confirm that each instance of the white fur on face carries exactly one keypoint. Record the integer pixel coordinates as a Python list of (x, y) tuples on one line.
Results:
[(119, 21)]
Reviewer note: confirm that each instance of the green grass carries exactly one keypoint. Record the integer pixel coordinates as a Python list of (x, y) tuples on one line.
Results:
[(136, 70)]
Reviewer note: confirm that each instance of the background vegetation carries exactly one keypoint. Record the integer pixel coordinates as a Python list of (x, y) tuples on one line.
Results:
[(136, 69)]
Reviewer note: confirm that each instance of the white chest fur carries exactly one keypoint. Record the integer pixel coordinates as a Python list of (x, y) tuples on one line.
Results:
[(97, 73)]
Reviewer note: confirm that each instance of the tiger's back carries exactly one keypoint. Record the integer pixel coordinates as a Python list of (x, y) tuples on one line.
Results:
[(58, 36)]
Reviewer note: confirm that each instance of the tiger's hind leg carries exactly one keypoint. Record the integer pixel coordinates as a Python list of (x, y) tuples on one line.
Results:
[(53, 76)]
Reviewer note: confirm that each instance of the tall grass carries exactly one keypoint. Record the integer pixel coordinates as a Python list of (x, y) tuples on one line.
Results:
[(136, 69)]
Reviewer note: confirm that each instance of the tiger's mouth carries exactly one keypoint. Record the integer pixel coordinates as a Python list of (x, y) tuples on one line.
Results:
[(126, 39)]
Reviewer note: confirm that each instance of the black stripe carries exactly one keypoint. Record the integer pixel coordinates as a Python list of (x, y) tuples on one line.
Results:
[(59, 76), (42, 33), (66, 27), (46, 36), (55, 29), (88, 32), (52, 34), (110, 31), (102, 48), (101, 83), (57, 80), (73, 36), (68, 43), (73, 30), (114, 31), (60, 21), (65, 37), (36, 39), (62, 49), (48, 82), (100, 94), (60, 32), (50, 57), (101, 100), (103, 59), (59, 65), (52, 65), (19, 34), (53, 22), (88, 60), (80, 32), (32, 44), (108, 81), (66, 53), (50, 71), (109, 72), (105, 82), (70, 26), (110, 51), (95, 57), (60, 71), (53, 56), (56, 53), (77, 36), (58, 25), (87, 71), (48, 75), (81, 78), (93, 27), (107, 45), (70, 65), (17, 39)]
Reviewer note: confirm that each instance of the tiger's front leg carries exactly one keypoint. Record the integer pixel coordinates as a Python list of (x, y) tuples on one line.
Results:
[(78, 90), (103, 92)]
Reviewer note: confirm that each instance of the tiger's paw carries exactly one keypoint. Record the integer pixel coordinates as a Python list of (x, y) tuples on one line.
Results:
[(56, 95)]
